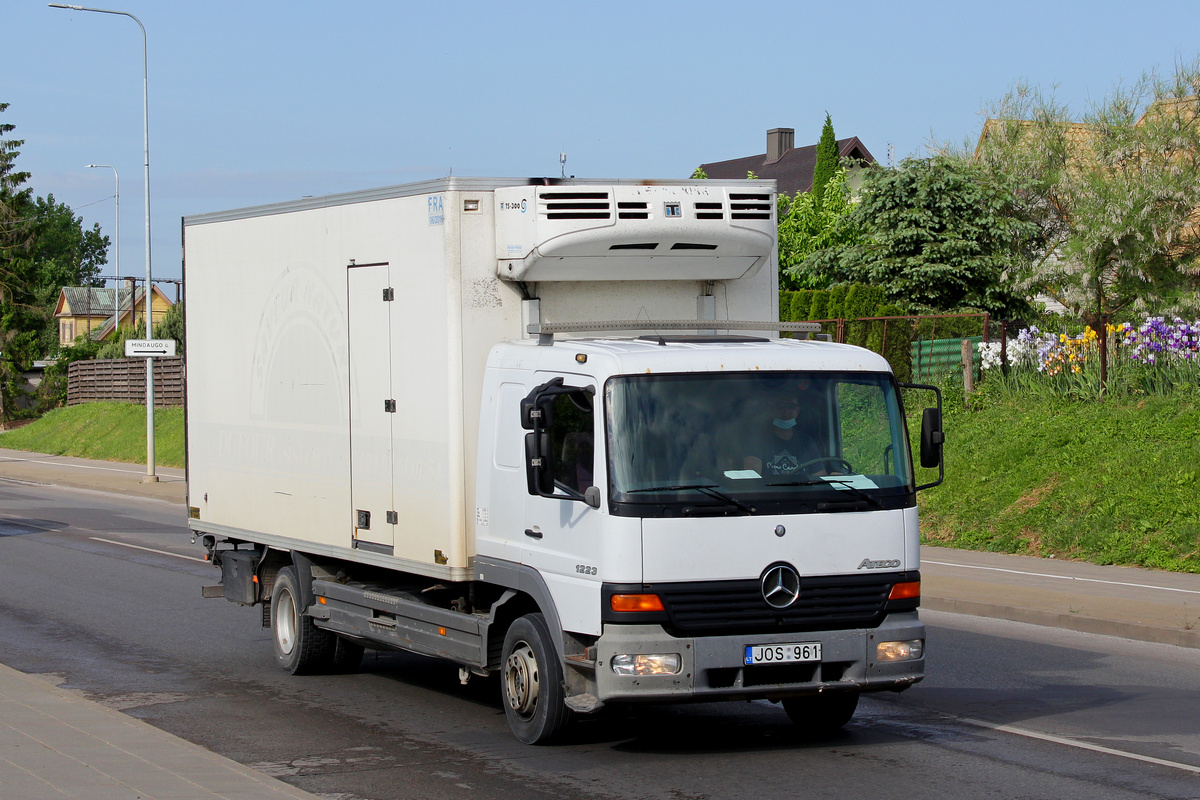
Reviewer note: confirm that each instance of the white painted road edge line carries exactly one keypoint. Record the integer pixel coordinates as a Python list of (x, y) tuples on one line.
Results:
[(1095, 748), (148, 549), (10, 460), (1061, 577)]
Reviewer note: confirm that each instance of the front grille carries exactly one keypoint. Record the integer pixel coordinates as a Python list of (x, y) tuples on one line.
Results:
[(737, 607), (777, 674)]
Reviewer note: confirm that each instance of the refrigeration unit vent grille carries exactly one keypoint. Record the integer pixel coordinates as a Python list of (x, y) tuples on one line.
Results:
[(576, 205), (750, 206)]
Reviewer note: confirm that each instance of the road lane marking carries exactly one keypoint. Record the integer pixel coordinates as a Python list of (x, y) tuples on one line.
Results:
[(9, 459), (1061, 577), (149, 549), (1095, 748)]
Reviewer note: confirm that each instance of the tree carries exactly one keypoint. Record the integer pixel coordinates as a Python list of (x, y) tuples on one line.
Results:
[(171, 326), (114, 345), (827, 160), (43, 246), (809, 224), (14, 242), (59, 252), (13, 201), (1115, 195), (699, 174), (936, 234)]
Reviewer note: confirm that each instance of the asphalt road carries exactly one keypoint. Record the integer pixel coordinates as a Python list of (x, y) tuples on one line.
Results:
[(105, 593)]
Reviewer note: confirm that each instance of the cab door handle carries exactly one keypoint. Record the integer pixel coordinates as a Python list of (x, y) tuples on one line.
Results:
[(532, 534)]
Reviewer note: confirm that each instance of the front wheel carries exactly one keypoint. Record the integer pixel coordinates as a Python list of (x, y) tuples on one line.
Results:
[(301, 648), (531, 682), (821, 714)]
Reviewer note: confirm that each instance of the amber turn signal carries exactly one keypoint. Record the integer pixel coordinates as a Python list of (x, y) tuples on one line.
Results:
[(636, 602), (906, 591)]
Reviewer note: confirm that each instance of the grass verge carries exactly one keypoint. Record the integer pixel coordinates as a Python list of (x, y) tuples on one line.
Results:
[(105, 431), (1111, 482)]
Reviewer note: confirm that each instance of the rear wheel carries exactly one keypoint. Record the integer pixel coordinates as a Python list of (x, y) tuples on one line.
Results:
[(301, 648), (821, 713), (531, 683)]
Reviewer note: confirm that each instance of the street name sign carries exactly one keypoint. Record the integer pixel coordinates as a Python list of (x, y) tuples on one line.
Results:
[(148, 348)]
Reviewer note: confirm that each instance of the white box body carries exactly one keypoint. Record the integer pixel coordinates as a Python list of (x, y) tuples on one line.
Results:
[(295, 360)]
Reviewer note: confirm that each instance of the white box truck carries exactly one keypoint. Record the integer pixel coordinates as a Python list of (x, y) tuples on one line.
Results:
[(548, 431)]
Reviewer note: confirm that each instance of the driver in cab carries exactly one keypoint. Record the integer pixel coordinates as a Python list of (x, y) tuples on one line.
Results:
[(782, 445)]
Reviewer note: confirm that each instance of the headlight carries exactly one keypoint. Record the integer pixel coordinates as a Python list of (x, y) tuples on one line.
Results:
[(657, 664), (900, 651)]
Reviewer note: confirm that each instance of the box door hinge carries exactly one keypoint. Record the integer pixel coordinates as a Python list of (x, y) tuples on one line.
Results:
[(389, 406), (393, 518), (389, 294)]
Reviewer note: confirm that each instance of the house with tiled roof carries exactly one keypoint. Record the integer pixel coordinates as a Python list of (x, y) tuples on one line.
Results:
[(91, 309), (789, 166)]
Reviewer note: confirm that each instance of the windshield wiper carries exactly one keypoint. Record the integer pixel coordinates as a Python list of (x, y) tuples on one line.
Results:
[(854, 490), (709, 489)]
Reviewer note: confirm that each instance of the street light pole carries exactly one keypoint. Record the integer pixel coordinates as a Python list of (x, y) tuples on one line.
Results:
[(116, 250), (150, 476)]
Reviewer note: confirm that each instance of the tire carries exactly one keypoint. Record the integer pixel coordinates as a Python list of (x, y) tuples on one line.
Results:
[(531, 683), (822, 714), (301, 648)]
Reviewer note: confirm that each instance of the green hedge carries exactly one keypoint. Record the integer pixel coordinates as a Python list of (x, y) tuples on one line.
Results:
[(852, 302), (893, 339)]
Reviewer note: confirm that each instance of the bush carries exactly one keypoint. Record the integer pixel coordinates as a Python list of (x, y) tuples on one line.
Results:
[(52, 392), (891, 338)]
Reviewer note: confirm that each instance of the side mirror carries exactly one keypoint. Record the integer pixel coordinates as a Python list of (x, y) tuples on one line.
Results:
[(537, 417), (932, 437), (539, 463), (537, 412)]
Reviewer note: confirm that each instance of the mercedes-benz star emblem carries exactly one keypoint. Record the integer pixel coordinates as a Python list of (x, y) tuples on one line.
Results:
[(780, 585)]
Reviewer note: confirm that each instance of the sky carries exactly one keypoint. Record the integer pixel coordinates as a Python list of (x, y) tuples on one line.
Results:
[(254, 102)]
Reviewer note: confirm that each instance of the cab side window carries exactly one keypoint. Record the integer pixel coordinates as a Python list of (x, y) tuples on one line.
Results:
[(572, 441)]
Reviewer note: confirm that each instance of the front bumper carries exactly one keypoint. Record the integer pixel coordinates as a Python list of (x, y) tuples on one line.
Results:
[(713, 669)]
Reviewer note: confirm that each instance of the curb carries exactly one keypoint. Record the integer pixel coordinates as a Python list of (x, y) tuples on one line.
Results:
[(61, 744), (1126, 630)]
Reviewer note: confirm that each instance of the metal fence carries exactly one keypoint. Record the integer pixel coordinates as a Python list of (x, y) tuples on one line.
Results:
[(906, 340), (124, 379), (933, 358)]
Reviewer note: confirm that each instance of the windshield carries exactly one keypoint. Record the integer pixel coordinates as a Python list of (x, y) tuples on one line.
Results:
[(756, 443)]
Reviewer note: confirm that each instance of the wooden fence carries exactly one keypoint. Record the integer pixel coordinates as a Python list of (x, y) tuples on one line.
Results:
[(124, 379)]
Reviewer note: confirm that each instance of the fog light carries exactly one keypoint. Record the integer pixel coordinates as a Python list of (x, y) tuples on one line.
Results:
[(658, 664), (900, 651)]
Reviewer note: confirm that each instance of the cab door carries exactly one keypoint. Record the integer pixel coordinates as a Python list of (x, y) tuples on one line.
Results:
[(563, 536)]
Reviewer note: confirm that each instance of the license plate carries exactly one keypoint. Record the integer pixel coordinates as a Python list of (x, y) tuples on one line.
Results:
[(782, 653)]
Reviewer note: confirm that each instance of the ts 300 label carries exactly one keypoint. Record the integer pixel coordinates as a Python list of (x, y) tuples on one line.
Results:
[(584, 569)]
